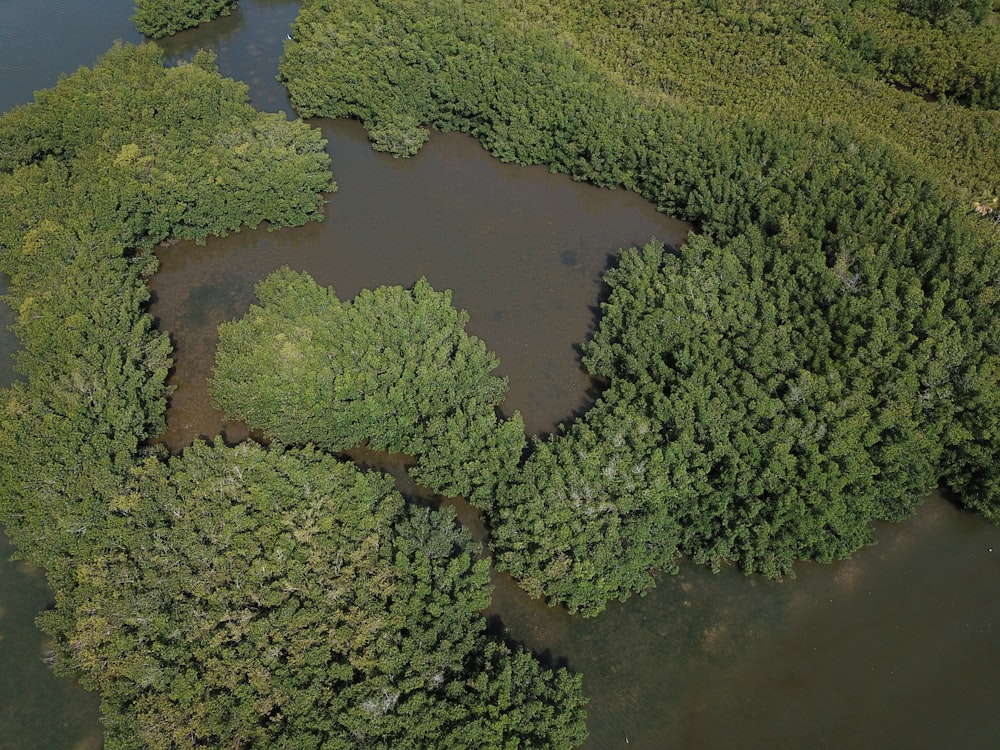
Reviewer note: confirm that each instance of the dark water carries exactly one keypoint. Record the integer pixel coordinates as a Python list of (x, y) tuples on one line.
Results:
[(38, 711), (894, 648), (43, 39)]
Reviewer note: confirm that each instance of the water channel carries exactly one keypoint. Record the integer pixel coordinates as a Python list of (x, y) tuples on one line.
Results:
[(892, 648)]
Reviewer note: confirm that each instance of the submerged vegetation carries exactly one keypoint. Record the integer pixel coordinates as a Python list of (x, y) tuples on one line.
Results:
[(818, 356)]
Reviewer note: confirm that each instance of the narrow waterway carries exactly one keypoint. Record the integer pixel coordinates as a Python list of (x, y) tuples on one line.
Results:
[(894, 648)]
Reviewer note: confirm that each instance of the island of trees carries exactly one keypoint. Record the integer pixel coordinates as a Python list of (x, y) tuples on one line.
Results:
[(818, 355)]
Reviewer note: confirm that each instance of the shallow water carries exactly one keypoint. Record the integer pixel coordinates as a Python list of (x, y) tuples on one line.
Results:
[(39, 41)]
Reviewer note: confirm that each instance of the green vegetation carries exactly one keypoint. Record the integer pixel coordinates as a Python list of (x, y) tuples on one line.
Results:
[(818, 356), (246, 597), (524, 77), (937, 11), (238, 597), (159, 18), (147, 152), (96, 171), (820, 62), (950, 60), (393, 369)]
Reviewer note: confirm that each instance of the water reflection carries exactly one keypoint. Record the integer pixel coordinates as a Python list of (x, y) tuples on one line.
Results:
[(39, 41)]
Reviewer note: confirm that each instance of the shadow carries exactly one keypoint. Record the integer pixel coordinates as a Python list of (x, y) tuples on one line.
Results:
[(496, 630), (181, 47)]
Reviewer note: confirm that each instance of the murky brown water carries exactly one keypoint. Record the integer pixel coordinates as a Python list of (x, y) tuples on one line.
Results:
[(894, 648), (522, 249)]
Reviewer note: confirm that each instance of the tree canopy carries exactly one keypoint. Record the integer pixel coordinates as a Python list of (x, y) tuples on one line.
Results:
[(151, 152), (230, 596), (95, 171), (250, 597), (561, 82), (820, 352), (819, 355), (159, 18), (392, 368)]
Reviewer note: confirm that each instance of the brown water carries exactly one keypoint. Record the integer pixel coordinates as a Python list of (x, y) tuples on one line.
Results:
[(522, 249), (894, 648)]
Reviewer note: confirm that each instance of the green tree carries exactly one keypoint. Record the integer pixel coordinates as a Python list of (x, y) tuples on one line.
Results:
[(159, 18), (938, 10), (92, 173), (151, 152), (741, 424), (817, 356), (393, 368), (281, 598)]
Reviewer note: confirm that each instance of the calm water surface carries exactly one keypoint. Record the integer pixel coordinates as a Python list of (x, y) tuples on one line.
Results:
[(894, 648), (522, 249)]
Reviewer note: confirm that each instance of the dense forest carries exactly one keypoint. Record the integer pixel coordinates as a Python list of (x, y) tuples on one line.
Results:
[(819, 355), (230, 596), (393, 370)]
